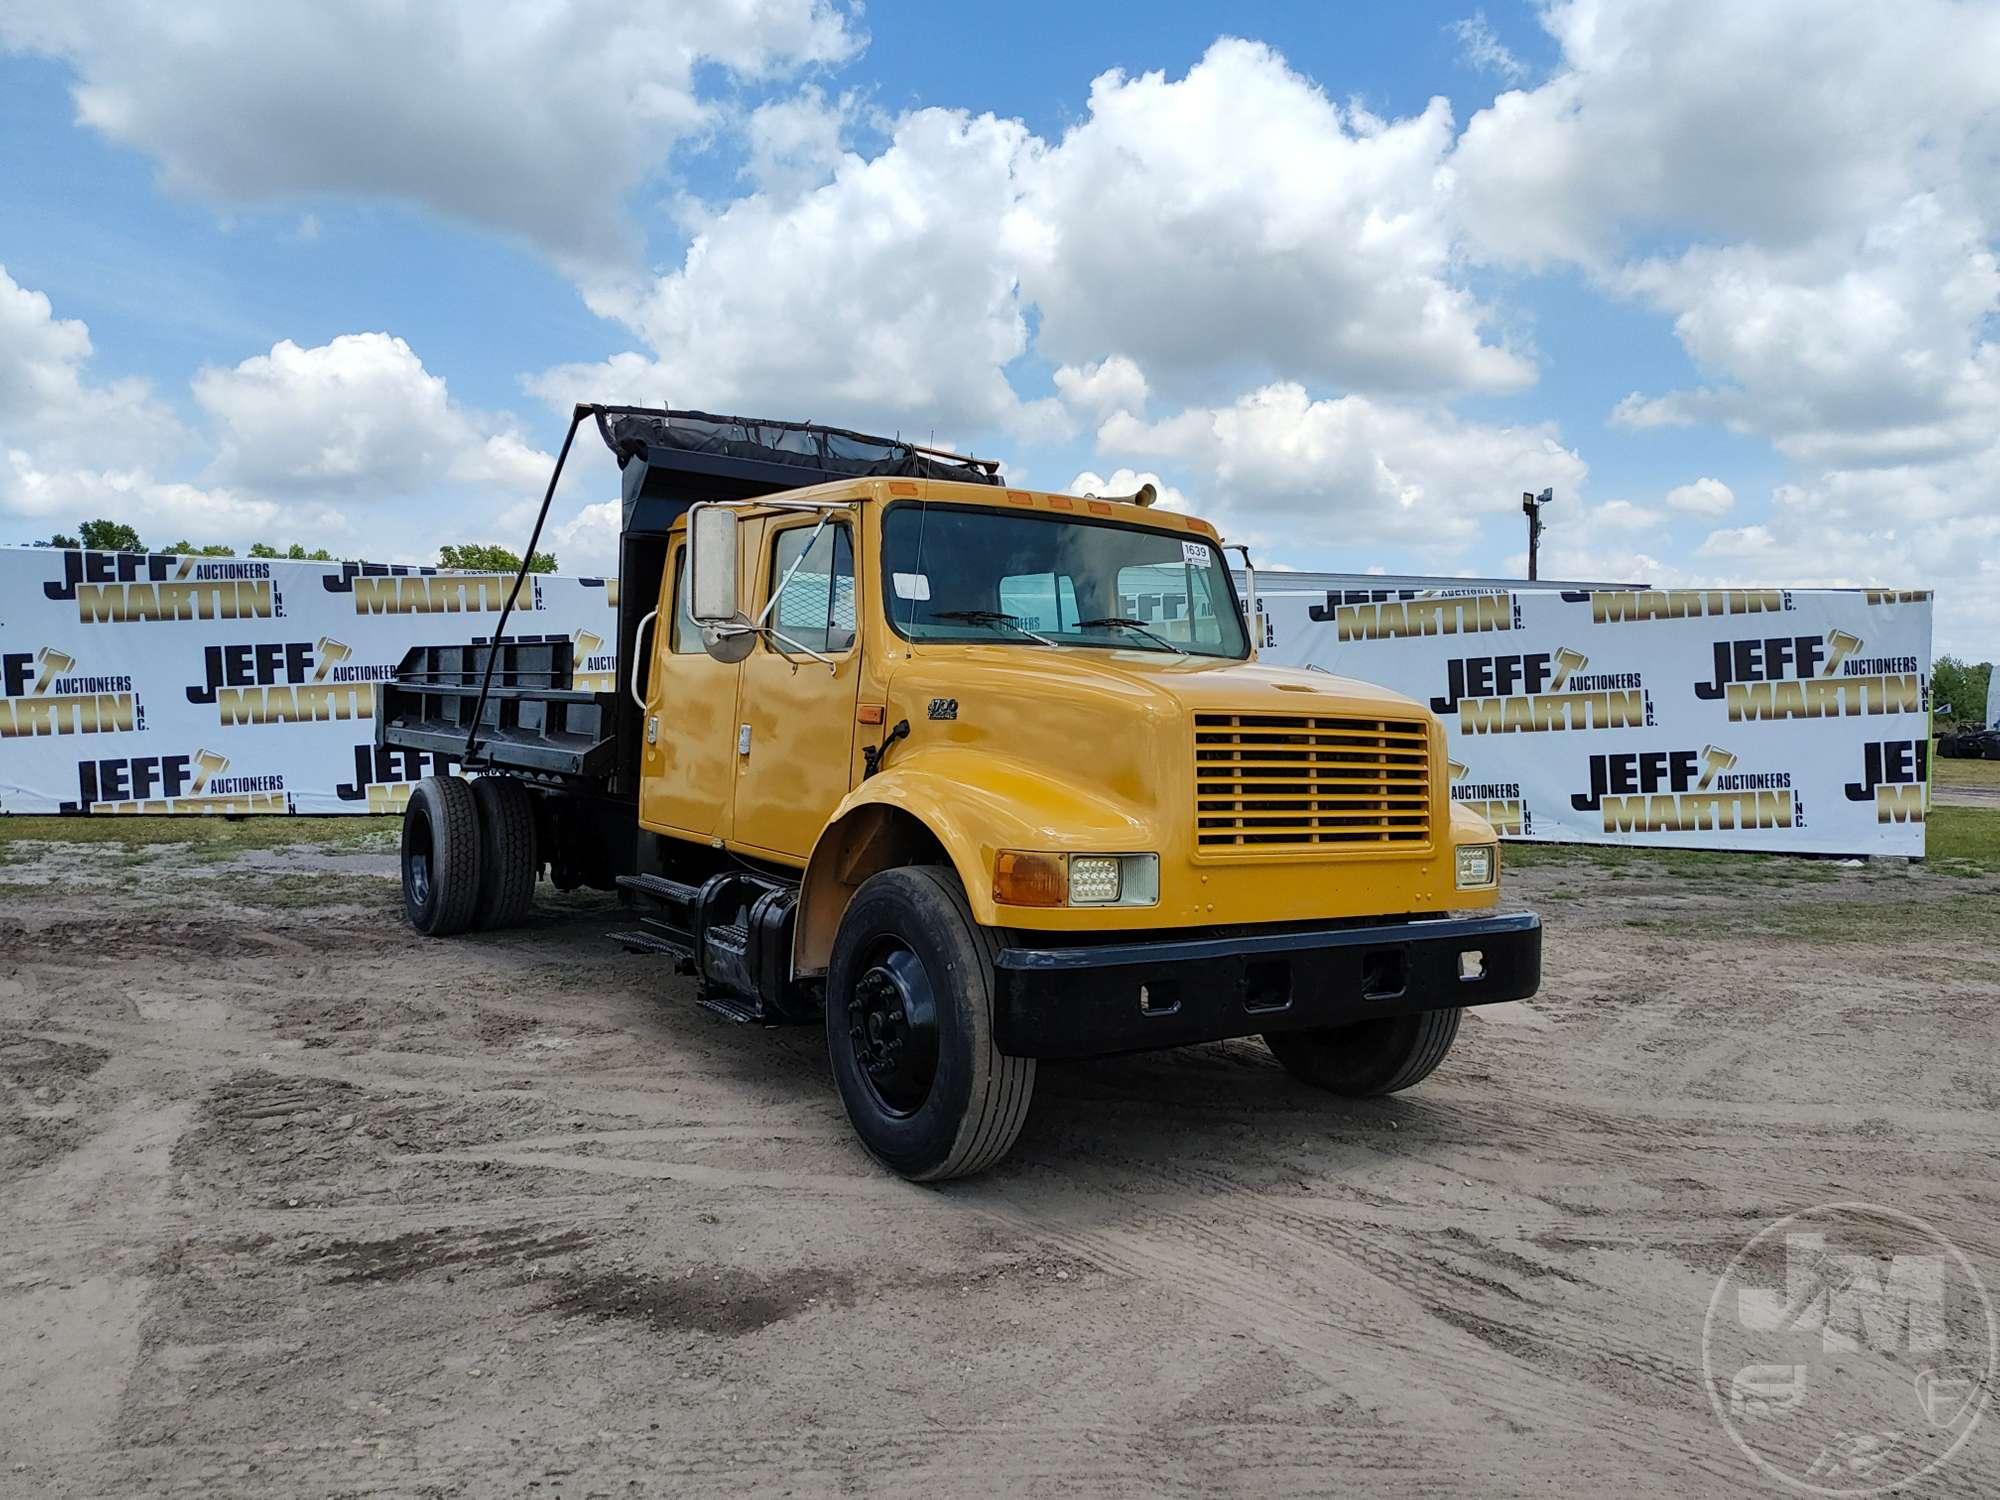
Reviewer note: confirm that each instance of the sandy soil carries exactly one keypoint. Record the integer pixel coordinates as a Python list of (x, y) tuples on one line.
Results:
[(299, 1203)]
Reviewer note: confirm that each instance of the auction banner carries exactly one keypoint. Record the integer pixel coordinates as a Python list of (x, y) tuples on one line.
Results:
[(157, 683), (1777, 720)]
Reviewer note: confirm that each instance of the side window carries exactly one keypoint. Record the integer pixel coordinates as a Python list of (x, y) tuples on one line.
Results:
[(1173, 599), (1040, 601), (816, 605), (685, 637)]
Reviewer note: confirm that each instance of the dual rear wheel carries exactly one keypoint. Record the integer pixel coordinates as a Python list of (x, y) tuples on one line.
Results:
[(468, 854)]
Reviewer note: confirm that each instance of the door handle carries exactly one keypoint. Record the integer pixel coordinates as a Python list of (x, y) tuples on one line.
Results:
[(639, 656)]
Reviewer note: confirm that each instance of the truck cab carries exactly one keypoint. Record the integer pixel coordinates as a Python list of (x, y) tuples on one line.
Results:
[(974, 776)]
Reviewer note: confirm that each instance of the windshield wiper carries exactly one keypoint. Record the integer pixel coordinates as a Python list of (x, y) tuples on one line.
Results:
[(1120, 622), (991, 617)]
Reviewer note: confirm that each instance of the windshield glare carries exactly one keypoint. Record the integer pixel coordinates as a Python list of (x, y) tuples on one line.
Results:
[(953, 573)]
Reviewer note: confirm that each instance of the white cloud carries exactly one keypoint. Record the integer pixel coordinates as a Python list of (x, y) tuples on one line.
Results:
[(1859, 349), (794, 143), (1234, 224), (1705, 497), (162, 511), (1127, 482), (587, 542), (1621, 515), (1835, 277), (1677, 115), (1484, 52), (1103, 386), (1355, 468), (531, 118), (1238, 219), (359, 417), (49, 404), (880, 297)]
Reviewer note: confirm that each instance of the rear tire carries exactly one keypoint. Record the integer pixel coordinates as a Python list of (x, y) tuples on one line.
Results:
[(441, 856), (1368, 1057), (507, 867), (909, 1029)]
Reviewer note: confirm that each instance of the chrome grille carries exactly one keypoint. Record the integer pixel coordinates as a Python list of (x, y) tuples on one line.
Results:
[(1290, 783)]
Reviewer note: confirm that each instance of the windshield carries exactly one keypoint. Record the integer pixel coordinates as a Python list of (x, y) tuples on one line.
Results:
[(954, 573)]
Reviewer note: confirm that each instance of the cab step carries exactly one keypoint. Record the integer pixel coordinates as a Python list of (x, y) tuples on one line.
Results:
[(734, 1008), (659, 888), (657, 942)]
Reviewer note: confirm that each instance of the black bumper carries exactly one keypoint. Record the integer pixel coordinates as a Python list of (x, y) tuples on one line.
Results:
[(1127, 997)]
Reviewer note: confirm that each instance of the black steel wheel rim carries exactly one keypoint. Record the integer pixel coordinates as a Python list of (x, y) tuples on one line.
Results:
[(417, 860), (892, 1028)]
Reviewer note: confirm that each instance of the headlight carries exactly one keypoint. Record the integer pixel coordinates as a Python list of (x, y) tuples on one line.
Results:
[(1093, 879), (1476, 865), (1024, 878)]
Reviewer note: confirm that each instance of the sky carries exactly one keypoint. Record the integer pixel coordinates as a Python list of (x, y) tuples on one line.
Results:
[(1345, 279)]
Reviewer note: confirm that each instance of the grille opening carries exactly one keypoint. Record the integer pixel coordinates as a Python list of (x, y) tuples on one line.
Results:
[(1267, 985), (1159, 997), (1310, 781), (1471, 965)]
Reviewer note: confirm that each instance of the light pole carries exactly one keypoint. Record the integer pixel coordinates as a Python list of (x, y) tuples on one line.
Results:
[(1531, 507)]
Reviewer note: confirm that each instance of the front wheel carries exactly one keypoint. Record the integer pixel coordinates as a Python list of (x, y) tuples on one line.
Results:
[(909, 1029), (1368, 1057)]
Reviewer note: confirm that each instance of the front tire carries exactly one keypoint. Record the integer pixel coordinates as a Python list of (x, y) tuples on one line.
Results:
[(909, 1029), (440, 856), (1368, 1057)]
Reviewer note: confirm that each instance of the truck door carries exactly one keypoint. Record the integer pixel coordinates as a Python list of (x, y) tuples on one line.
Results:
[(795, 730), (688, 762)]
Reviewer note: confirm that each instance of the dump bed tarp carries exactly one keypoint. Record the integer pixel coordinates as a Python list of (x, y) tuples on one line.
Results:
[(658, 437)]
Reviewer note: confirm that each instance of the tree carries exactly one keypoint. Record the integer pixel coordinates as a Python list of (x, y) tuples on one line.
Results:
[(1958, 689), (480, 557), (294, 553), (110, 536), (59, 540), (213, 549)]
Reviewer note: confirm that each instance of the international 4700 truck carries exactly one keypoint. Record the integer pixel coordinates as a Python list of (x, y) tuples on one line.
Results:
[(970, 775)]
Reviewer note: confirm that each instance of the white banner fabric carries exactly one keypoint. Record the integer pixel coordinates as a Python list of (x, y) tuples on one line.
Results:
[(1756, 719), (143, 683)]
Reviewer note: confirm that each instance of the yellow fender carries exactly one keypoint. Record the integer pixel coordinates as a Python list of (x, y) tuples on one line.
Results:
[(967, 803)]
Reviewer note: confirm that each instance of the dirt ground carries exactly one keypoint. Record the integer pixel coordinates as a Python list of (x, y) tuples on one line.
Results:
[(298, 1203)]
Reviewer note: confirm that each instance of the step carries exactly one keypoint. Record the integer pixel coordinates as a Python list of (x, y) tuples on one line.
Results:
[(661, 889), (734, 1008), (654, 942)]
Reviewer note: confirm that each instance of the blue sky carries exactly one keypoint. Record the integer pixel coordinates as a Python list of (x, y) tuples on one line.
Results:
[(1348, 282)]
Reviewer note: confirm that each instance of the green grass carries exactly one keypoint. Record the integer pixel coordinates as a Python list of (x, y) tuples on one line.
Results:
[(1617, 862), (213, 837), (1964, 840), (1921, 919), (1959, 841), (1965, 772)]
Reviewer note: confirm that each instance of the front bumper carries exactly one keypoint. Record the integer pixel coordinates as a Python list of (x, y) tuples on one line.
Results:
[(1128, 997)]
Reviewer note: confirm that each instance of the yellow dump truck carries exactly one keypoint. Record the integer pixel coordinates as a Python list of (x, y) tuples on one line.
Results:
[(971, 775)]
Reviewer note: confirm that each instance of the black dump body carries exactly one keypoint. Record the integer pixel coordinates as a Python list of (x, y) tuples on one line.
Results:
[(531, 719)]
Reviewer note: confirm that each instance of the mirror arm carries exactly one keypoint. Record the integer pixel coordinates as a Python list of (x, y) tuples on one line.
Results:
[(797, 563), (778, 635)]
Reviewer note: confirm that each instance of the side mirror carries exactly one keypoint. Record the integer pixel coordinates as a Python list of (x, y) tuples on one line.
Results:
[(712, 564)]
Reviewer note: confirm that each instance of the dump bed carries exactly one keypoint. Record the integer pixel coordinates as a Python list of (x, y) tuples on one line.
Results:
[(531, 718)]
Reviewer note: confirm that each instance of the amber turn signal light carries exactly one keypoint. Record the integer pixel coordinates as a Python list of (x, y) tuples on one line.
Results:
[(1028, 879)]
